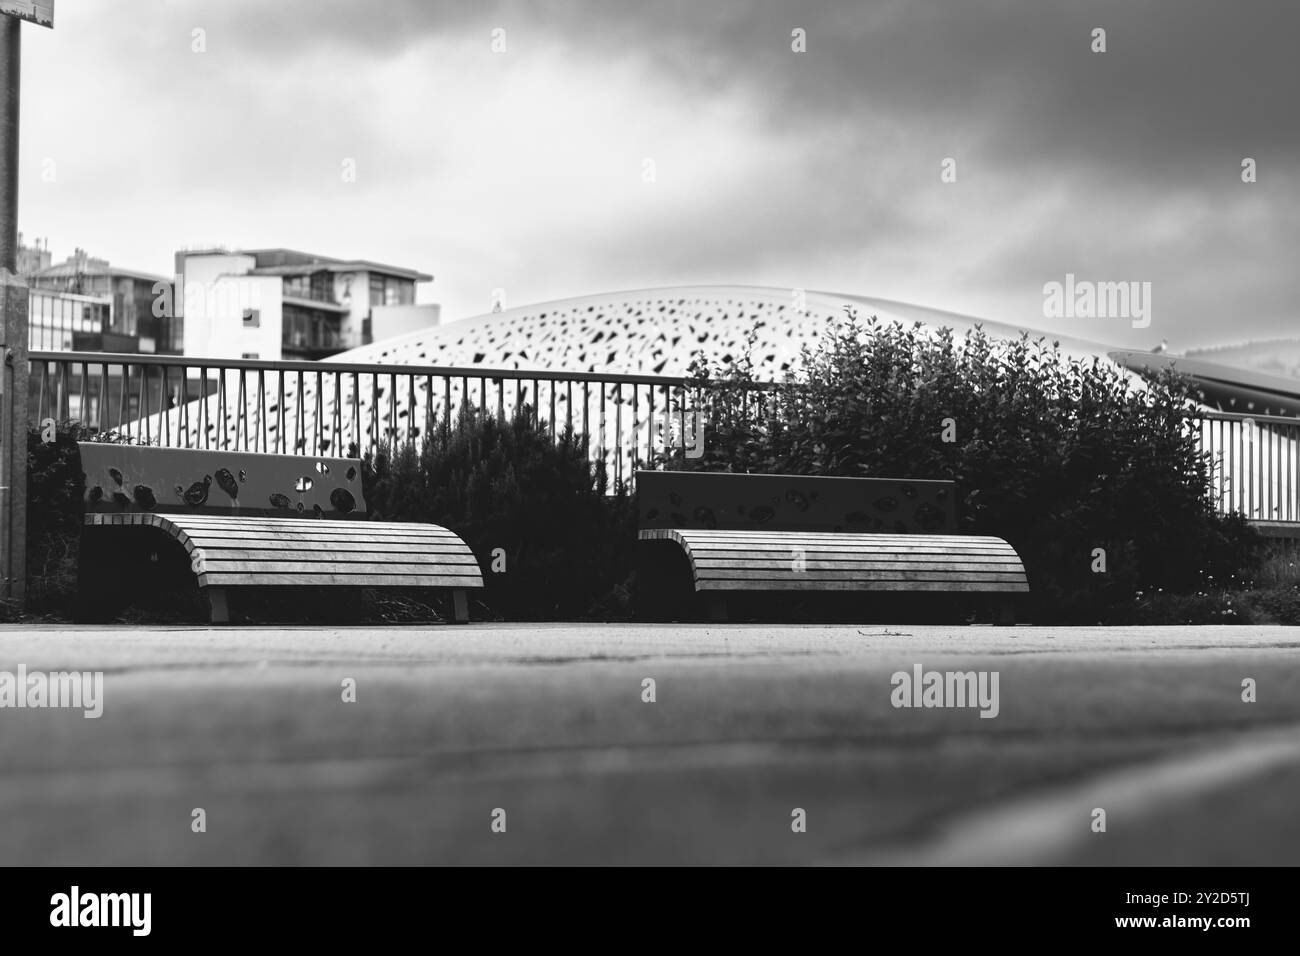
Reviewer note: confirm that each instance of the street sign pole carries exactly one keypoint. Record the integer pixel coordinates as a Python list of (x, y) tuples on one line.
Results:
[(13, 330)]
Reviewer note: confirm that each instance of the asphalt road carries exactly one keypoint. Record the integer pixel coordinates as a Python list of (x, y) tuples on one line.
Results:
[(749, 725)]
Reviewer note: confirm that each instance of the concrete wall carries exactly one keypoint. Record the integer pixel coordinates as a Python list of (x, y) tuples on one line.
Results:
[(390, 320), (214, 317)]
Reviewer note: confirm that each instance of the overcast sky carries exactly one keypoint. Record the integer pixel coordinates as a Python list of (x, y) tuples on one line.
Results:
[(526, 169)]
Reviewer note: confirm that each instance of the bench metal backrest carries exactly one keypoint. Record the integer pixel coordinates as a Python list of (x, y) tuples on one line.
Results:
[(142, 478), (698, 499)]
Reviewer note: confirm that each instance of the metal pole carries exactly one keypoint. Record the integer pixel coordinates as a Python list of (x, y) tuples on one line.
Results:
[(10, 77), (13, 331)]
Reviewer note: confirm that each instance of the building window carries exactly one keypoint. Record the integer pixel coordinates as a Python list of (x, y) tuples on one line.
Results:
[(306, 330)]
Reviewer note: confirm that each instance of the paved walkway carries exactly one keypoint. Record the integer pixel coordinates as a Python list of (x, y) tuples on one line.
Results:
[(548, 723)]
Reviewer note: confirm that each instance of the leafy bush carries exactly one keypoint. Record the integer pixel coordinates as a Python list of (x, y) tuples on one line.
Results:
[(55, 509), (534, 510), (1059, 456)]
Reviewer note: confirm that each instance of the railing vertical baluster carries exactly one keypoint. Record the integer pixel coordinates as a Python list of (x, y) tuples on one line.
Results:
[(164, 411), (1243, 466), (636, 426), (142, 406), (392, 408), (336, 441), (83, 414), (356, 412), (262, 424), (600, 441), (241, 413), (618, 434), (411, 431), (320, 414), (586, 408), (1222, 453), (1292, 492), (104, 397), (681, 414), (124, 402), (482, 394), (183, 439), (223, 439), (65, 376), (43, 391), (446, 401), (279, 414), (501, 399), (428, 407), (650, 428), (1267, 502), (300, 417), (201, 435), (552, 382), (374, 410)]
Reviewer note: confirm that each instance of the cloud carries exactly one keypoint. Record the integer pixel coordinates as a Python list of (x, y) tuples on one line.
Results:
[(524, 170)]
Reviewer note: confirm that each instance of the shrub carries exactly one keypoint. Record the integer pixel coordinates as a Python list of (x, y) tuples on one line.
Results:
[(55, 510), (520, 498), (1059, 456)]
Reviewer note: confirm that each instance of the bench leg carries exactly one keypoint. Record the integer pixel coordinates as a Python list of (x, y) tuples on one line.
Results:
[(717, 604), (1005, 611), (103, 587), (459, 606), (219, 606)]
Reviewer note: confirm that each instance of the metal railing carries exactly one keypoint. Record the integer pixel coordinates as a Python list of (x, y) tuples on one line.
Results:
[(304, 407), (1253, 461)]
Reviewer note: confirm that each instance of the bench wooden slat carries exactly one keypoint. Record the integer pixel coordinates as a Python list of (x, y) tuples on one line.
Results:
[(750, 560), (241, 579), (785, 552), (274, 551), (340, 529), (859, 574), (779, 538), (257, 539), (292, 534), (329, 569), (963, 586), (812, 565)]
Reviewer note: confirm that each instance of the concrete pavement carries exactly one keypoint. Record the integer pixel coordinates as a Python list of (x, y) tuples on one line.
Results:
[(749, 725)]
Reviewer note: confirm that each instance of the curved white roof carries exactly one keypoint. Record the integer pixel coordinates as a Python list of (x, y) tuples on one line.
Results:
[(659, 331)]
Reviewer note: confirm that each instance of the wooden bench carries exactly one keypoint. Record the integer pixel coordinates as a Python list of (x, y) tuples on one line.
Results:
[(245, 520), (791, 533)]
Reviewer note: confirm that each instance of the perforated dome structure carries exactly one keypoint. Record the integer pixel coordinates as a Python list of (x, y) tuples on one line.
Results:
[(659, 331)]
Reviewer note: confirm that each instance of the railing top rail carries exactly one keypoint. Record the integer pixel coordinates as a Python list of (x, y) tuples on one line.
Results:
[(304, 365), (1241, 417)]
